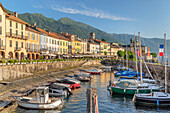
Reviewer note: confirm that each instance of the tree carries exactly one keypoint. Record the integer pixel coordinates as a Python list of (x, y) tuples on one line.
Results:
[(120, 53), (154, 55), (103, 39)]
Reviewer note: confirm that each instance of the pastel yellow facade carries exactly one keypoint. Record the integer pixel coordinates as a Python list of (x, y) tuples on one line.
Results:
[(32, 44), (105, 48), (77, 46), (63, 46), (2, 32), (15, 38)]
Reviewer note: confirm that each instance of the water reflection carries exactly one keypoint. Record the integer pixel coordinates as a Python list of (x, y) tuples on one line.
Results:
[(76, 103)]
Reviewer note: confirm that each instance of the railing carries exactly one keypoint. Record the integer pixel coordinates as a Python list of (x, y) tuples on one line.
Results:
[(17, 48), (16, 36), (28, 49)]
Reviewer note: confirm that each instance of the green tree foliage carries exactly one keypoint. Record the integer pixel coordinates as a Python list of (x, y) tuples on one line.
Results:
[(154, 55), (120, 53), (103, 39)]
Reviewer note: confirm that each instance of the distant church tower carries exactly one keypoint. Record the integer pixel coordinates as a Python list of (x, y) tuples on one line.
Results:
[(92, 36)]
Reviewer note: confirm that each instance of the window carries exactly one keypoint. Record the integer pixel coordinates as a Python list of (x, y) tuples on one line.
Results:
[(33, 36), (17, 25), (63, 44), (0, 18), (21, 27), (46, 40), (22, 36), (22, 45), (10, 43), (0, 30), (60, 50), (50, 41), (16, 44), (33, 47), (60, 43), (10, 23), (17, 32), (55, 42), (37, 37), (66, 43), (28, 35), (10, 32)]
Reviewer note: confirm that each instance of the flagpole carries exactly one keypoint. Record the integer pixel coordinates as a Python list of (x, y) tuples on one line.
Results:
[(165, 63), (140, 58)]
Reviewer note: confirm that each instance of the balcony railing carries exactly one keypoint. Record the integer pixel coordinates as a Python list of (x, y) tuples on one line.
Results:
[(17, 48), (13, 35), (2, 47)]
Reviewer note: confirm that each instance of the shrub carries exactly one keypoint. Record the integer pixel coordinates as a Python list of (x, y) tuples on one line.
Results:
[(10, 61)]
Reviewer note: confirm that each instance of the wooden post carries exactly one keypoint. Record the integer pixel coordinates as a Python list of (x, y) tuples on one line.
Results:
[(92, 100)]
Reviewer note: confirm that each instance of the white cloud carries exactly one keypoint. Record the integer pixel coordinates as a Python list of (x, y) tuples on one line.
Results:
[(90, 12)]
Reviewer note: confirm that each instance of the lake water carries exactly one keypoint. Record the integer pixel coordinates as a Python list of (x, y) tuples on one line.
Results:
[(76, 103)]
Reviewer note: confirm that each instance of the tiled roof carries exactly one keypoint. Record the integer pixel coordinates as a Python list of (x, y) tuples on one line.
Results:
[(101, 41), (32, 29), (2, 7), (12, 17), (62, 37)]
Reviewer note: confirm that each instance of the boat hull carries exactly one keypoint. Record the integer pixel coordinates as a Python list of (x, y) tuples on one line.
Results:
[(129, 91), (39, 106), (153, 102)]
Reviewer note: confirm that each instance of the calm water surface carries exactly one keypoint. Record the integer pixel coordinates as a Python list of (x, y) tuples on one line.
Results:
[(76, 103)]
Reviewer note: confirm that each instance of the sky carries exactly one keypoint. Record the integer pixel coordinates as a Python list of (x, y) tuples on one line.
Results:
[(150, 17)]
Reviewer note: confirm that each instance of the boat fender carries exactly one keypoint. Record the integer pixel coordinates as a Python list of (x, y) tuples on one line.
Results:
[(157, 102), (113, 84), (124, 90)]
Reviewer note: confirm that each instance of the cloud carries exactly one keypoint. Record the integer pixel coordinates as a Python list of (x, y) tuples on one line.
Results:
[(90, 12)]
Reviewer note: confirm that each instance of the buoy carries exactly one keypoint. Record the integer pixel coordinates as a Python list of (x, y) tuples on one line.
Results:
[(113, 84)]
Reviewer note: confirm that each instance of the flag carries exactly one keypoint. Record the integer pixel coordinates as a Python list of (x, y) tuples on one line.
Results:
[(161, 50), (149, 52), (138, 53)]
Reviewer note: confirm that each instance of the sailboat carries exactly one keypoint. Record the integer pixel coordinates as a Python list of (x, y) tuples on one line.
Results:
[(131, 87), (155, 99)]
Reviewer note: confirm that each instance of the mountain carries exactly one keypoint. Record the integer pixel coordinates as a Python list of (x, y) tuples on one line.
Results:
[(83, 30), (64, 25)]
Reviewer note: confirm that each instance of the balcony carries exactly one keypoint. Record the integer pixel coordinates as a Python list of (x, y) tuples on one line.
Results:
[(13, 35), (43, 49), (17, 49), (2, 47)]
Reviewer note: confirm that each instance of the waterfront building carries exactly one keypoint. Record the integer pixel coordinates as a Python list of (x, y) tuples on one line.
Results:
[(131, 47), (33, 42), (114, 48), (104, 46), (15, 37), (63, 44), (43, 45), (71, 42), (78, 45), (2, 31), (83, 46)]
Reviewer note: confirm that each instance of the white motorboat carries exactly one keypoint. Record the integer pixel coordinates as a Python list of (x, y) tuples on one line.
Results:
[(41, 102)]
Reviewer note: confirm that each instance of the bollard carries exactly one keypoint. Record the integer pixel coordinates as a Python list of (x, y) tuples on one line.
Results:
[(92, 100)]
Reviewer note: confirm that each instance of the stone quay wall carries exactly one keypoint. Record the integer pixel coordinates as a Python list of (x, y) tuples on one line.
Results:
[(12, 71)]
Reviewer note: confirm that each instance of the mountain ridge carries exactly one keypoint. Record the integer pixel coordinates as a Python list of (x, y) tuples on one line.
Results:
[(66, 24)]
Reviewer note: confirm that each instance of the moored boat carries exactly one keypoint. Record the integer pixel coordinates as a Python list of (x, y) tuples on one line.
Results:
[(41, 102)]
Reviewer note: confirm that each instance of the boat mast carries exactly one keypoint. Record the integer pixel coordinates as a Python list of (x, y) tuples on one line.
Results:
[(165, 62), (126, 58), (140, 58), (136, 54)]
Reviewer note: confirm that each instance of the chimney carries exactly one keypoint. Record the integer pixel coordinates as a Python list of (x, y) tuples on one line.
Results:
[(35, 24), (15, 14)]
